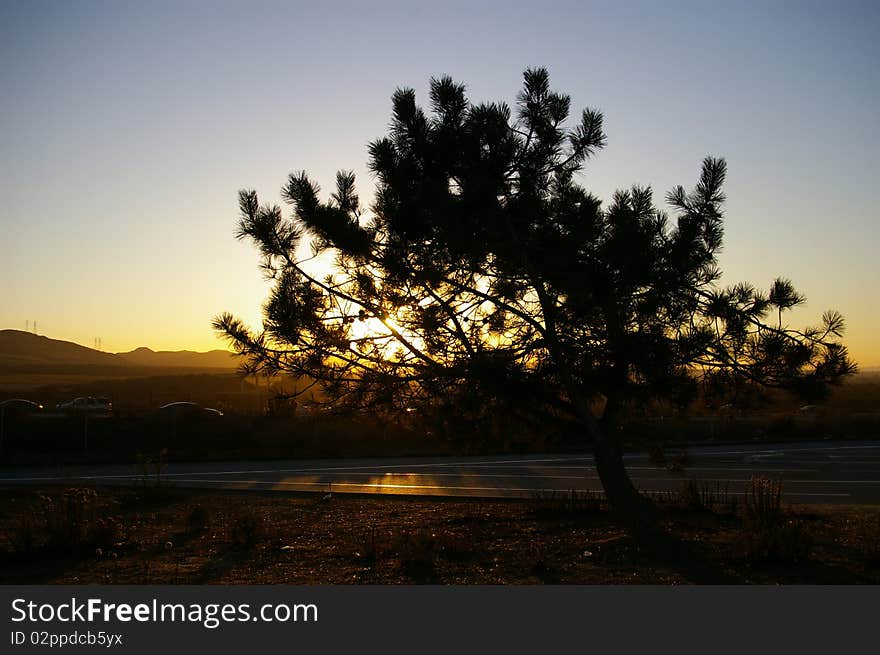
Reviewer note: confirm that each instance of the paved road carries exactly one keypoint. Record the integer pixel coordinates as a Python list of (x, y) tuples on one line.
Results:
[(823, 472)]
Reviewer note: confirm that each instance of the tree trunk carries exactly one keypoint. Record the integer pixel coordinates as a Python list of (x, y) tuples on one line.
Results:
[(637, 513)]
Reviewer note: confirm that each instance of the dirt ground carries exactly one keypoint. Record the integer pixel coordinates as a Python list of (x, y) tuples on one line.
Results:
[(175, 536)]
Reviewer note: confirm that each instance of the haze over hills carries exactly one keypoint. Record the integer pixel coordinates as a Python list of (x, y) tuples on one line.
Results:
[(24, 352), (174, 358)]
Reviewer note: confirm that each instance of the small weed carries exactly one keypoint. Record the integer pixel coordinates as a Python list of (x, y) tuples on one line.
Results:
[(868, 532), (247, 530), (696, 495), (24, 534), (656, 456), (729, 506), (417, 552), (371, 550), (545, 571), (690, 496), (667, 498), (560, 504), (105, 532), (788, 541), (678, 462), (455, 550), (198, 520), (151, 469)]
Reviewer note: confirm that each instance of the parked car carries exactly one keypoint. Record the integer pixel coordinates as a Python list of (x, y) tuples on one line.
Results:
[(188, 410), (89, 405), (16, 407)]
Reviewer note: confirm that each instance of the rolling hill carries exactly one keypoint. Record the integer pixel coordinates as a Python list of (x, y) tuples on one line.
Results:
[(180, 358), (27, 354)]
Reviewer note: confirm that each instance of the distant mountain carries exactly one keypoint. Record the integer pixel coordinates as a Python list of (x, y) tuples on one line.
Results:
[(181, 358), (24, 349), (22, 352)]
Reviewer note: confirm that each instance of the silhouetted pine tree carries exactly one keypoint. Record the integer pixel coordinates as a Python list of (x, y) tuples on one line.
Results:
[(493, 275)]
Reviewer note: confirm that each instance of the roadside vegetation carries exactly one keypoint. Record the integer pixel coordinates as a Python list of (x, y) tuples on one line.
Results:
[(162, 535)]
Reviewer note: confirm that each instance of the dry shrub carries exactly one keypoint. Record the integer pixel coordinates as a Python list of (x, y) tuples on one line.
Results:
[(698, 496), (68, 516), (67, 521), (767, 533)]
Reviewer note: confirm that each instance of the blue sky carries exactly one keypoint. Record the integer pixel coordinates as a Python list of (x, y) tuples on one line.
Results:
[(126, 130)]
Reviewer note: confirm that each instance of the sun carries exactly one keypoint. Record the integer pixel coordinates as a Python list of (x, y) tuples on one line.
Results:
[(369, 328), (381, 335)]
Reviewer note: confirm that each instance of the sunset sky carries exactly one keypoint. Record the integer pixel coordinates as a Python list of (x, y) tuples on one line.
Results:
[(126, 130)]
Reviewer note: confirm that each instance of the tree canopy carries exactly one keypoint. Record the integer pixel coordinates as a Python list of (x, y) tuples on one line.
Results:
[(483, 269)]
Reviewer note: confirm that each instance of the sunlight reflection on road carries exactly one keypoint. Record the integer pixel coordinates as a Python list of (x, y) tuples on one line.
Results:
[(823, 472)]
